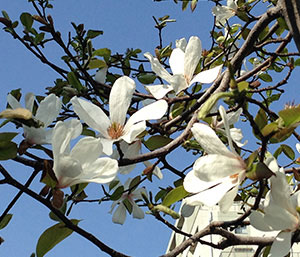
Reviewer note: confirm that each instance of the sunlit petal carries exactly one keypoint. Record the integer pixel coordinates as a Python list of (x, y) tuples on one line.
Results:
[(281, 245), (192, 56), (119, 215), (137, 212), (207, 76), (100, 76), (177, 61), (159, 91)]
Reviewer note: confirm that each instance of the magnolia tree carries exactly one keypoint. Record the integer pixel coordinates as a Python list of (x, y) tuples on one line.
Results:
[(107, 112)]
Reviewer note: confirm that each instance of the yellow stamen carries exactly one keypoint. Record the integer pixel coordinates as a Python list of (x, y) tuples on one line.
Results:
[(115, 130)]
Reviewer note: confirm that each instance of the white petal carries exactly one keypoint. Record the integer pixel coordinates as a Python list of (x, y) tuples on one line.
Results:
[(152, 111), (257, 220), (212, 167), (234, 117), (107, 145), (13, 102), (179, 83), (137, 212), (232, 4), (226, 126), (193, 53), (120, 99), (295, 199), (159, 91), (119, 215), (157, 172), (181, 43), (298, 147), (157, 68), (29, 100), (129, 151), (207, 76), (281, 245), (35, 135), (226, 202), (100, 76), (222, 14), (237, 136), (177, 61), (92, 115), (48, 110), (209, 141), (131, 132)]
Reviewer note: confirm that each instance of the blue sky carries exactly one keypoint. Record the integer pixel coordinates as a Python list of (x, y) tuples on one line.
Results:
[(125, 24)]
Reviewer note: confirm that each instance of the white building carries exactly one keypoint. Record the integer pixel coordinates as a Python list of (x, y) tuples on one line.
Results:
[(201, 217)]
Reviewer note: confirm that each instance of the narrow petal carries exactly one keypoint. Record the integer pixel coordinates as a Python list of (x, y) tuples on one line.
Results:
[(192, 56), (13, 102), (177, 61), (298, 147), (92, 115), (212, 167), (226, 202), (159, 91), (157, 68), (226, 126), (281, 245), (131, 132), (137, 212), (29, 100), (49, 109), (120, 99), (209, 141), (119, 215), (87, 150), (207, 76), (100, 76), (153, 111)]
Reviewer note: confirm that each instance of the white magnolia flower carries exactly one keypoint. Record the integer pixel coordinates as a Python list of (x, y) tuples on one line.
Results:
[(278, 211), (82, 163), (235, 133), (114, 128), (47, 112), (119, 215), (100, 75), (223, 13), (183, 62), (215, 177), (130, 151)]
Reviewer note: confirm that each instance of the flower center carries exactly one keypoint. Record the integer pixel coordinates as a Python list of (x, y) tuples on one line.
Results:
[(115, 130), (187, 79)]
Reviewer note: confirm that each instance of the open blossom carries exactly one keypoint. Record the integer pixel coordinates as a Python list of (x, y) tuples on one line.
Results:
[(119, 215), (215, 177), (223, 13), (278, 211), (183, 62), (130, 151), (115, 128), (81, 163), (46, 112)]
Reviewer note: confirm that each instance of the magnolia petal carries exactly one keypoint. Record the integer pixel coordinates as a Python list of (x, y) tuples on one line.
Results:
[(281, 245), (153, 111), (232, 4), (131, 132), (100, 75), (107, 145), (298, 147), (295, 199), (157, 68), (179, 83), (212, 167), (177, 61), (159, 91), (137, 212), (87, 150), (29, 101), (222, 14), (237, 136), (120, 99), (207, 76), (92, 115), (226, 202), (119, 215), (36, 135), (192, 56), (14, 103), (156, 171), (226, 126), (234, 117), (181, 43), (208, 139), (48, 110), (257, 220)]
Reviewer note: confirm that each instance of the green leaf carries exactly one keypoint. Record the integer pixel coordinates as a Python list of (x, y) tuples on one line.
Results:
[(287, 150), (290, 116), (265, 77), (5, 14), (261, 119), (134, 183), (174, 196), (5, 220), (104, 52), (117, 193), (96, 64), (8, 150), (26, 20), (7, 136), (113, 184), (166, 210), (259, 171), (156, 142), (146, 78), (297, 62), (94, 33), (52, 236), (74, 81)]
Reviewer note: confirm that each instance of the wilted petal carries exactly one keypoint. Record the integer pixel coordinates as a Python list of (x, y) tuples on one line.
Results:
[(92, 115), (192, 56), (48, 109), (212, 167), (159, 91), (207, 76), (119, 215), (36, 135), (100, 76), (157, 68), (157, 172), (120, 99), (281, 245), (208, 139), (177, 61)]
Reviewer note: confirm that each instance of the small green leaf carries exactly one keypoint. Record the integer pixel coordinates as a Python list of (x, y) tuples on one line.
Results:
[(265, 77), (113, 184), (146, 78), (96, 64), (259, 171), (52, 236), (290, 116), (26, 20), (156, 142), (261, 119), (174, 196), (94, 33), (134, 183), (117, 193), (288, 151), (74, 81), (8, 150), (7, 136), (104, 52), (5, 220)]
